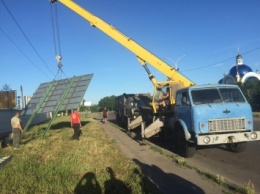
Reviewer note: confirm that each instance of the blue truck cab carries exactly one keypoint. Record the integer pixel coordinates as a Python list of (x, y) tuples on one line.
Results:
[(212, 115)]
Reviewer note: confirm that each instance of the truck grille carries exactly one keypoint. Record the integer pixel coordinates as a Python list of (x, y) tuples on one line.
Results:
[(225, 125)]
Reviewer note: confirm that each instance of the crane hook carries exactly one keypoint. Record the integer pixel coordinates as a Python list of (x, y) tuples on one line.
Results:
[(58, 58)]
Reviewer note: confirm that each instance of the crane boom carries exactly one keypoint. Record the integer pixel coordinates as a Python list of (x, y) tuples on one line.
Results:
[(185, 119), (143, 55)]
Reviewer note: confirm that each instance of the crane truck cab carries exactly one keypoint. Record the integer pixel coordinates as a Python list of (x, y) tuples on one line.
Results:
[(212, 115), (161, 89)]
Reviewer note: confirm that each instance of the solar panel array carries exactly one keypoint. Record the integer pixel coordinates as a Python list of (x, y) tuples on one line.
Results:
[(50, 94)]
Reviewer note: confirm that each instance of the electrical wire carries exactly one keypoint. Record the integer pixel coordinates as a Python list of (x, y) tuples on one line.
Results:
[(26, 38), (57, 42), (26, 56), (213, 64)]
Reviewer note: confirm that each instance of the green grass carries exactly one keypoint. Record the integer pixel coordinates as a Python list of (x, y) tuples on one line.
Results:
[(56, 164)]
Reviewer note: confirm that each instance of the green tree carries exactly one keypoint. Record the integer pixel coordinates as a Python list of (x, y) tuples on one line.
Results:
[(94, 108), (243, 89), (252, 89), (82, 108), (108, 102)]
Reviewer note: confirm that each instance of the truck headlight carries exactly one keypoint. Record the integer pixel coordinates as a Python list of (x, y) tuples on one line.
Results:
[(253, 135), (206, 140)]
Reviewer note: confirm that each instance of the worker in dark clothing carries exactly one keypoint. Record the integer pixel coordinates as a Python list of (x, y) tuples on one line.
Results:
[(105, 115)]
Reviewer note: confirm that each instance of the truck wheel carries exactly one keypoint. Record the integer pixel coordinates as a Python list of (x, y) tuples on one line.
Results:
[(166, 135), (118, 119), (185, 148), (3, 144), (236, 147)]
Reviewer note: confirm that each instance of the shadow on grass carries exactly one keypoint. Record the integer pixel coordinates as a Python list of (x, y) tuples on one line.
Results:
[(89, 184), (114, 185)]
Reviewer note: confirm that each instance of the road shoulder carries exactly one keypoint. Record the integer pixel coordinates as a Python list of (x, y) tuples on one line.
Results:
[(170, 177)]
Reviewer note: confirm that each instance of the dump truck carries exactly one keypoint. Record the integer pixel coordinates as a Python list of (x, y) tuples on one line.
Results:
[(196, 115), (128, 107)]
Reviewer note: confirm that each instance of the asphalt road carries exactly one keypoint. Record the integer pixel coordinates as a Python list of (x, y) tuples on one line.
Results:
[(238, 168)]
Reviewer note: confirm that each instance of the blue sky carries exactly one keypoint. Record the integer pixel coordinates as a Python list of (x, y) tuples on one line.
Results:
[(203, 36)]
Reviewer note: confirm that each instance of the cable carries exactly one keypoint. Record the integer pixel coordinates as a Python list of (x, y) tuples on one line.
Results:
[(21, 51), (56, 40), (55, 25), (58, 30), (27, 39), (59, 74), (56, 34), (220, 61), (53, 32)]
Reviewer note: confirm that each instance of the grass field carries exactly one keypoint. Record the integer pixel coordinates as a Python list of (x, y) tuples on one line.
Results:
[(55, 164)]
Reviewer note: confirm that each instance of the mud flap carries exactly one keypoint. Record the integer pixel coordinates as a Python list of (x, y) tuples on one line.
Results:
[(152, 129), (135, 123)]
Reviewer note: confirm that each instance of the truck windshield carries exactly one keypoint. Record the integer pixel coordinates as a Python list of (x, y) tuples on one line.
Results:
[(205, 96), (231, 95), (214, 95)]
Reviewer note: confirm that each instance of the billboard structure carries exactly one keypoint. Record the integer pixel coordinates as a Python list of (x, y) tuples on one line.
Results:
[(7, 99), (55, 96), (57, 89)]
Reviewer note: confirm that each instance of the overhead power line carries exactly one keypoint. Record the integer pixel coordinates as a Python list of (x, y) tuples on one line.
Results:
[(213, 64), (8, 37), (27, 39)]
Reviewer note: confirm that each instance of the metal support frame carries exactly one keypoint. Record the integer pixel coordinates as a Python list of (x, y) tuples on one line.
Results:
[(67, 89), (38, 106)]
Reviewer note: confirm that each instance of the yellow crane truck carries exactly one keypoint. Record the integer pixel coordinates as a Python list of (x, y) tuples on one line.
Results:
[(195, 115)]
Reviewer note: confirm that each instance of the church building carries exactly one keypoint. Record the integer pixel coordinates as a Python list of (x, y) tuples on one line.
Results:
[(240, 73)]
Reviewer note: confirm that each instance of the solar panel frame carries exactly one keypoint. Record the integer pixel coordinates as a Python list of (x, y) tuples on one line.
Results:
[(72, 101)]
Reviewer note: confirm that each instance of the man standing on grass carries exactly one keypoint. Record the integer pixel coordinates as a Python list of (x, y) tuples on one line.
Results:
[(17, 130), (75, 124)]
